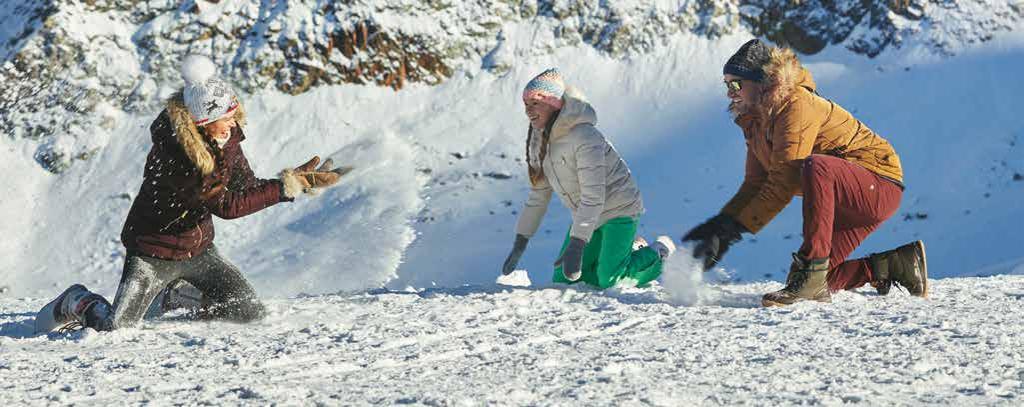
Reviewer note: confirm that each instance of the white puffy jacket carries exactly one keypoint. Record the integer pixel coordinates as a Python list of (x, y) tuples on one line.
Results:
[(584, 169)]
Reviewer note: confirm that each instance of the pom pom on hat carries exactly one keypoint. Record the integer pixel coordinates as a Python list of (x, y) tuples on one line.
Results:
[(197, 69), (548, 87), (207, 96)]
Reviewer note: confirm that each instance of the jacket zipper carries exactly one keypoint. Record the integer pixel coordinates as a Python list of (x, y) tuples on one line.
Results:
[(183, 215), (200, 238), (560, 186)]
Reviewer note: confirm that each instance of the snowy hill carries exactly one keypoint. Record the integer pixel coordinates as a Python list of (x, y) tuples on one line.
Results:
[(382, 290), (440, 177), (440, 174)]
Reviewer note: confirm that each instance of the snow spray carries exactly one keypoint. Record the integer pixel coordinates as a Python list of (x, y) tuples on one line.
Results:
[(683, 279)]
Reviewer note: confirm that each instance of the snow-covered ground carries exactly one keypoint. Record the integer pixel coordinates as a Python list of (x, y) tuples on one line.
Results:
[(488, 345), (367, 284)]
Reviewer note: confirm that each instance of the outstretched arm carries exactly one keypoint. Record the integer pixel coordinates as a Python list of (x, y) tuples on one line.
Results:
[(795, 130), (753, 179), (228, 204), (250, 194), (534, 209)]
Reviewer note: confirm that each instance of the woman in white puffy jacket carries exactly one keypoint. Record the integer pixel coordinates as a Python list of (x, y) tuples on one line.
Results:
[(567, 155)]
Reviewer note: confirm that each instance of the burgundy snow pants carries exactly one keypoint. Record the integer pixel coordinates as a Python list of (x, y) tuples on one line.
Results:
[(843, 203)]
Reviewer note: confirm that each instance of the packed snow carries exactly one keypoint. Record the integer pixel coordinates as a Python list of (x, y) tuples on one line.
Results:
[(492, 345)]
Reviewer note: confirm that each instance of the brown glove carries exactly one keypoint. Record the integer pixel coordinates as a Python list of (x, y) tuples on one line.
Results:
[(309, 179)]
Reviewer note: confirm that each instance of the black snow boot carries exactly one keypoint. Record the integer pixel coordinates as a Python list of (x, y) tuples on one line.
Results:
[(904, 266), (806, 281), (180, 294)]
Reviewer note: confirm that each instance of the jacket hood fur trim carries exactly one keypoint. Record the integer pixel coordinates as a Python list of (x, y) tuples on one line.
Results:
[(189, 136), (783, 75)]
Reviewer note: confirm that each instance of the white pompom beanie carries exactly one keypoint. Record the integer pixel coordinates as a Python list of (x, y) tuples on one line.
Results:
[(206, 95)]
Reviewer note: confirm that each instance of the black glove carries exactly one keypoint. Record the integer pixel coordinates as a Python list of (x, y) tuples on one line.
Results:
[(513, 258), (714, 238), (571, 259)]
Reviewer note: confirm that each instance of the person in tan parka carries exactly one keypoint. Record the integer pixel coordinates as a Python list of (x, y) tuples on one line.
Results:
[(800, 143)]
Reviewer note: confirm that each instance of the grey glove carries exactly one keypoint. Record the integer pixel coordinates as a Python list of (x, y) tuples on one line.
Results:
[(571, 259), (513, 258)]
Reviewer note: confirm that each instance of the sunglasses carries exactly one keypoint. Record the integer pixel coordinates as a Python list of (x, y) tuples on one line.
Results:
[(734, 85)]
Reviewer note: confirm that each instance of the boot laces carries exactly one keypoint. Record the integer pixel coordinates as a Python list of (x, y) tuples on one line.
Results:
[(894, 283), (78, 316), (797, 276), (796, 281), (74, 325)]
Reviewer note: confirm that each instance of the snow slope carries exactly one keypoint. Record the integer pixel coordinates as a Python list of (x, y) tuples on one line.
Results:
[(952, 121), (440, 176), (367, 284), (313, 245), (476, 345)]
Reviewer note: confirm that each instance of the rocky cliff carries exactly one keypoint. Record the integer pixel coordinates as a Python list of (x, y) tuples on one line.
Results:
[(70, 66)]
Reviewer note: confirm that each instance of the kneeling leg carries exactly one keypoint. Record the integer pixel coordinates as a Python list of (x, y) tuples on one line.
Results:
[(225, 289)]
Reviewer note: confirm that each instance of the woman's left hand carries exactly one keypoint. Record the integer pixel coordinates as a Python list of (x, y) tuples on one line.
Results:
[(572, 259)]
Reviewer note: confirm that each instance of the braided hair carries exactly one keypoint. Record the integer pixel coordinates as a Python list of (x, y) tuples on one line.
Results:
[(537, 174)]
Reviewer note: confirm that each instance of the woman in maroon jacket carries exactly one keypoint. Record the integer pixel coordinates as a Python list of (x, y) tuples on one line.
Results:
[(195, 170)]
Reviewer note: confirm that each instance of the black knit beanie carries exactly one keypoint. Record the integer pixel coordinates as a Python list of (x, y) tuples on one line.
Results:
[(749, 61)]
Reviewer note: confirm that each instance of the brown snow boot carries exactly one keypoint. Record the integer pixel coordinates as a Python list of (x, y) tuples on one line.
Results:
[(904, 266), (806, 281)]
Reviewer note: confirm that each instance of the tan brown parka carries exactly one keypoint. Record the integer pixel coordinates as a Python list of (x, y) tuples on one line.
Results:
[(791, 123)]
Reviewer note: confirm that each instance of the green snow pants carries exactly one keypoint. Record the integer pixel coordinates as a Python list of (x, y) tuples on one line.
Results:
[(609, 257)]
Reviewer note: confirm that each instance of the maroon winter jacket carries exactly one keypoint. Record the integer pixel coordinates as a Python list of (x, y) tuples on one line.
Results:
[(170, 218)]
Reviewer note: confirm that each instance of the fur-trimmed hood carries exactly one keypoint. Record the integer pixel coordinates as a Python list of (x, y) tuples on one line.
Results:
[(783, 75), (188, 136), (186, 181)]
